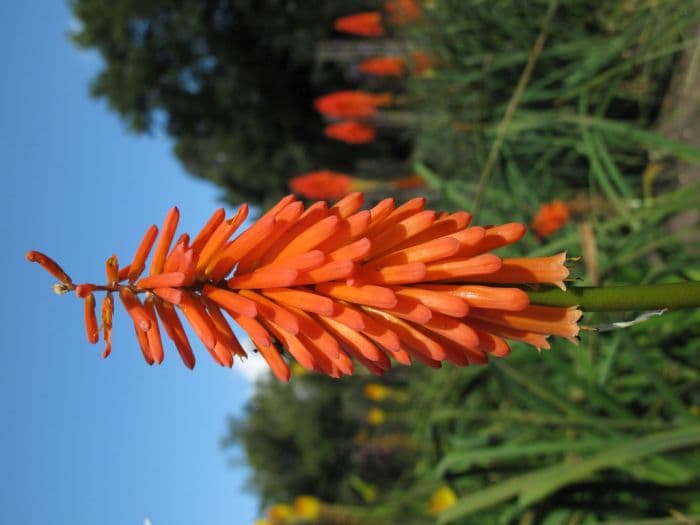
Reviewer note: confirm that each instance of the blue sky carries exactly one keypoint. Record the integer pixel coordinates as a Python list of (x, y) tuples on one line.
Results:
[(87, 440)]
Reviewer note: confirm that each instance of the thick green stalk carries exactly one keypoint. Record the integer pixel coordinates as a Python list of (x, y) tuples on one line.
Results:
[(620, 298)]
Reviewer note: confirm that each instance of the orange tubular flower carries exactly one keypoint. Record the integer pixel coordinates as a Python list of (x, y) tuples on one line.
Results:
[(384, 66), (352, 104), (550, 218), (333, 286), (368, 23), (351, 132)]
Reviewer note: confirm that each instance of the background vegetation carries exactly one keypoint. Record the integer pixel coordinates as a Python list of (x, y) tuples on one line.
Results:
[(591, 102)]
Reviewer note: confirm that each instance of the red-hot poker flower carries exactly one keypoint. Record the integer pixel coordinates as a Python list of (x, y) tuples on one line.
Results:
[(333, 286), (368, 23), (351, 132), (384, 66), (550, 218), (352, 104), (402, 12)]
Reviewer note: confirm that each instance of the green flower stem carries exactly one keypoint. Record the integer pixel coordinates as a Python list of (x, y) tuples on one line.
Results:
[(621, 298)]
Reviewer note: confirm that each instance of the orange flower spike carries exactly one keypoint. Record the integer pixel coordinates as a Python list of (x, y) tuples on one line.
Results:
[(138, 263), (48, 264), (550, 218), (112, 271), (367, 23), (549, 270), (208, 229), (93, 333), (384, 66), (155, 344), (135, 309), (167, 233), (282, 204), (350, 132), (176, 333), (107, 312)]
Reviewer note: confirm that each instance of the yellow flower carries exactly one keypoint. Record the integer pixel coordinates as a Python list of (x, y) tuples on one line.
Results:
[(443, 498), (307, 507), (279, 514), (261, 521), (376, 391), (376, 416)]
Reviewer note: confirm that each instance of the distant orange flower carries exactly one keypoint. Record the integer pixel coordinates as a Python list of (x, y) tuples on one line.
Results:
[(324, 184), (351, 132), (352, 104), (327, 184), (550, 218), (403, 11), (368, 23), (384, 66), (332, 286)]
